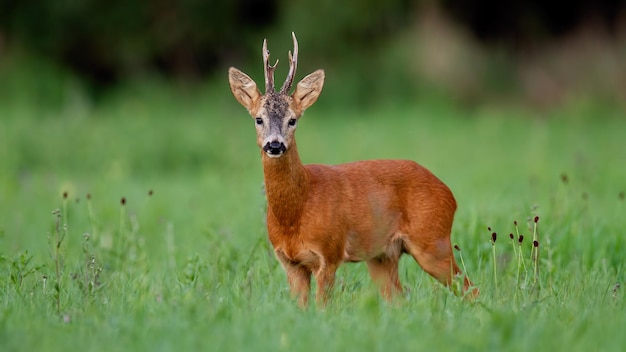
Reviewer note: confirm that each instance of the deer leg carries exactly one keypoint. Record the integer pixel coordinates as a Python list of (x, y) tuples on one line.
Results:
[(384, 272), (325, 278), (299, 279), (436, 258)]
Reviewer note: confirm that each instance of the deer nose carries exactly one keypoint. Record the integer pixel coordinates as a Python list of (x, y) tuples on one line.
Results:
[(274, 148)]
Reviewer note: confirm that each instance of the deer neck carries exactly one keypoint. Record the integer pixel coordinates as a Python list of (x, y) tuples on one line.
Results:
[(286, 185)]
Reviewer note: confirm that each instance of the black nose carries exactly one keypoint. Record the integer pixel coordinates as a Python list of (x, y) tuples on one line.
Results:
[(274, 148)]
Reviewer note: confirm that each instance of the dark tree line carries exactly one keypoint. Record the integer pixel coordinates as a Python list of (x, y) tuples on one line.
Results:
[(531, 19), (104, 41)]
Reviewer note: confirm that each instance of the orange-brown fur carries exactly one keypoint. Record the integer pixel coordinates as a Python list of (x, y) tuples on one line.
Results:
[(320, 216)]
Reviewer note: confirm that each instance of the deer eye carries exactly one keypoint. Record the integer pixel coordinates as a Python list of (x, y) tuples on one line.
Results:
[(292, 122), (259, 121)]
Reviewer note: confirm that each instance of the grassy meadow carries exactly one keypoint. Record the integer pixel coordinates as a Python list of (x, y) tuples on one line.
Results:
[(184, 264)]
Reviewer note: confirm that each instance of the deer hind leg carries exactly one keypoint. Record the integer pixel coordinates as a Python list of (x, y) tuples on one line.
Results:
[(432, 250), (384, 272)]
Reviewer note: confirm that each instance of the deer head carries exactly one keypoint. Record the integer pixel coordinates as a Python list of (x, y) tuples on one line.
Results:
[(276, 114)]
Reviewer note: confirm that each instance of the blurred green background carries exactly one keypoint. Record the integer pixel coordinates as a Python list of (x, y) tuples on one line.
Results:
[(533, 53)]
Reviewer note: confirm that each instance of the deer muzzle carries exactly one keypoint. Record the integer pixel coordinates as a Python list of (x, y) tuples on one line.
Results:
[(274, 149)]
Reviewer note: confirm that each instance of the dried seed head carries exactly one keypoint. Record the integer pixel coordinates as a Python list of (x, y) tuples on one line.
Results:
[(564, 178), (150, 193), (494, 236), (616, 287), (456, 246), (520, 239), (536, 219), (489, 228), (65, 195), (123, 201), (515, 222), (511, 236), (535, 243), (88, 196)]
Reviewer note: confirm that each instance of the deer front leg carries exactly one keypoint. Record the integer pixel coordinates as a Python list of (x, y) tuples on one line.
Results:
[(298, 277), (384, 272), (325, 278)]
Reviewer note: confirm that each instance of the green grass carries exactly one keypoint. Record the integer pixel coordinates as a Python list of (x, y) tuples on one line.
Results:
[(190, 268)]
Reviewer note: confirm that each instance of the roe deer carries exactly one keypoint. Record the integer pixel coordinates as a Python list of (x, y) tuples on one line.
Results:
[(319, 216)]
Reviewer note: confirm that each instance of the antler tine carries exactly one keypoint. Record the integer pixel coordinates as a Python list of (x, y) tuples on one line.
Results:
[(269, 69), (293, 64)]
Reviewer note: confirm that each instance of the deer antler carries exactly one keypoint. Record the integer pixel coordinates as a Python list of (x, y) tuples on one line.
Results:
[(293, 63), (269, 69)]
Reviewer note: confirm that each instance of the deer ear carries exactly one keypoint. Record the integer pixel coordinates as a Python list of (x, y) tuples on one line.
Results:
[(244, 89), (308, 90)]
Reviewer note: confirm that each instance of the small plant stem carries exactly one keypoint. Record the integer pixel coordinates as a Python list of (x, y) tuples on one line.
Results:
[(523, 260), (120, 236), (495, 274), (92, 217), (513, 245), (64, 212), (86, 253), (494, 237), (466, 276), (57, 259), (122, 221), (462, 283), (535, 251), (515, 253), (171, 246), (536, 264), (463, 264), (520, 238), (520, 260)]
